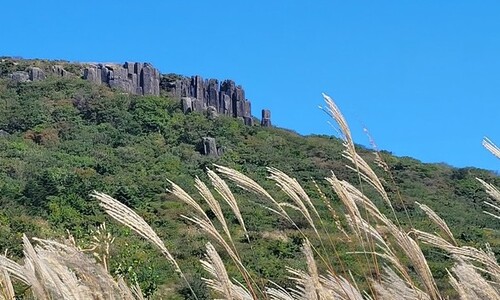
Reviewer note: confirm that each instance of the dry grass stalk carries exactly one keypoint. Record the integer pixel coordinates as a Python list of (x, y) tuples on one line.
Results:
[(121, 213), (405, 242), (471, 284), (220, 281), (214, 205), (186, 198), (393, 287), (13, 268), (346, 198), (282, 178), (337, 287), (334, 112), (419, 263), (365, 240), (367, 174), (129, 293), (293, 189), (490, 146), (304, 286), (387, 251), (249, 184), (223, 189), (438, 221), (53, 270), (100, 244), (313, 286), (205, 224), (494, 193), (492, 190), (494, 207), (361, 167), (137, 292), (129, 218), (461, 290), (84, 277), (6, 288), (334, 215), (468, 254), (278, 293), (310, 285), (209, 229), (41, 271)]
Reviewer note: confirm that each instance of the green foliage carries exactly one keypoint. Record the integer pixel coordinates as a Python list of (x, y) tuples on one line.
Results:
[(68, 138)]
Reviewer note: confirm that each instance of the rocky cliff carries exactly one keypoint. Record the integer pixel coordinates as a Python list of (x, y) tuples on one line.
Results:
[(135, 78), (197, 94), (35, 73)]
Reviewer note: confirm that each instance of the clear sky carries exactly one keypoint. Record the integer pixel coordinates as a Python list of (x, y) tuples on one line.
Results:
[(422, 76)]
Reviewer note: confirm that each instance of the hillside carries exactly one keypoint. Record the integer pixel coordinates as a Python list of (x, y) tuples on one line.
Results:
[(63, 137)]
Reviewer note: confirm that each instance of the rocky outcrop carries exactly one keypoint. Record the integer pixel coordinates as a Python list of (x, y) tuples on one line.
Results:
[(135, 78), (60, 71), (197, 94), (19, 76), (36, 74), (210, 147), (248, 121), (266, 118), (3, 133), (212, 112)]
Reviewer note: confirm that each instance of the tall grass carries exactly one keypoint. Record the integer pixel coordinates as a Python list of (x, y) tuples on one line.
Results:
[(391, 253)]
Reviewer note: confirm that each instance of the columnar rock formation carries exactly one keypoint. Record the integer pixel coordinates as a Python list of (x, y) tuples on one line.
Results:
[(37, 74), (266, 118), (135, 78), (60, 71), (197, 94), (210, 147), (19, 76)]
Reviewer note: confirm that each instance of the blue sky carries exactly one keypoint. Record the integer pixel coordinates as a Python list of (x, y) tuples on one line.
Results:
[(422, 76)]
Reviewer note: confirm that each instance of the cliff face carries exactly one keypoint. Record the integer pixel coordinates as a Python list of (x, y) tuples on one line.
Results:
[(195, 93), (198, 94), (135, 78)]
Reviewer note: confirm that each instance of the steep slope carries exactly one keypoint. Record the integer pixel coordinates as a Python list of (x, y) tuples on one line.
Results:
[(63, 137)]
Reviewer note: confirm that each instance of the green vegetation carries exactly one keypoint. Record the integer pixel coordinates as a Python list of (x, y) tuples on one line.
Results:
[(67, 138)]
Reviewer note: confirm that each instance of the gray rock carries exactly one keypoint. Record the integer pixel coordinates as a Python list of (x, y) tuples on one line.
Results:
[(60, 71), (209, 146), (212, 92), (93, 74), (226, 107), (212, 112), (197, 83), (220, 151), (198, 105), (247, 108), (123, 84), (20, 76), (227, 98), (248, 121), (3, 133), (240, 107), (150, 80), (133, 78), (36, 74), (187, 104), (266, 118)]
